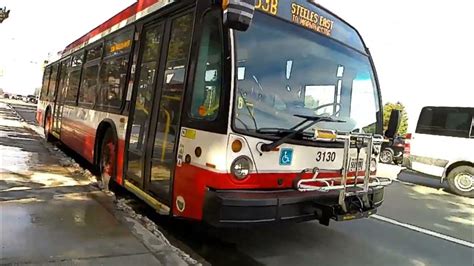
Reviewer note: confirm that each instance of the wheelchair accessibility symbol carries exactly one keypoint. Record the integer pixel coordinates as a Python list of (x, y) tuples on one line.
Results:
[(286, 156)]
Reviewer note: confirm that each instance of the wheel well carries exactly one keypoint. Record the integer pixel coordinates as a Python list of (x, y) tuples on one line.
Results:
[(48, 109), (101, 130), (457, 164)]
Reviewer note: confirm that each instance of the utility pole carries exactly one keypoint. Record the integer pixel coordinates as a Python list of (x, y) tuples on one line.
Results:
[(4, 14)]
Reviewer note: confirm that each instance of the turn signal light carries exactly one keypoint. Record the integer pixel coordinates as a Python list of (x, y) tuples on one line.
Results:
[(236, 145)]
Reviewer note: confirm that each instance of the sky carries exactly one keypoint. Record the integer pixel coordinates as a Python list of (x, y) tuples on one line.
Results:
[(423, 50)]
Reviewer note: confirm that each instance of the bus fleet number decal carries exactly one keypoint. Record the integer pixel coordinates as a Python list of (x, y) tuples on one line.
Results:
[(326, 156)]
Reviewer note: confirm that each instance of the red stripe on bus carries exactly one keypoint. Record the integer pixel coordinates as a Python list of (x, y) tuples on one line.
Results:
[(191, 183)]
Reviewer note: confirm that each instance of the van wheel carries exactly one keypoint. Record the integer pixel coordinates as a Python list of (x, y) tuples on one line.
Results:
[(48, 121), (386, 156), (108, 158), (461, 180)]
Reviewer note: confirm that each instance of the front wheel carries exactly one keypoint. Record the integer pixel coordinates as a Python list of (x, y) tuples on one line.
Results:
[(107, 158), (386, 156), (461, 180)]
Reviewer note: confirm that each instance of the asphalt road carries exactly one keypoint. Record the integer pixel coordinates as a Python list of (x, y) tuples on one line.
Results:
[(420, 223)]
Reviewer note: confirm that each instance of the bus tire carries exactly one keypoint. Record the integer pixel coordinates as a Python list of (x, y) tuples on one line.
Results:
[(108, 158), (461, 180), (48, 121)]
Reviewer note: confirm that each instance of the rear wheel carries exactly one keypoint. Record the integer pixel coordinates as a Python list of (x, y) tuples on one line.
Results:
[(461, 180), (386, 156), (108, 158), (48, 121)]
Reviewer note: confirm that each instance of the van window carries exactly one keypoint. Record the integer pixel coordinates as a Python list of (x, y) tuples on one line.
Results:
[(453, 122)]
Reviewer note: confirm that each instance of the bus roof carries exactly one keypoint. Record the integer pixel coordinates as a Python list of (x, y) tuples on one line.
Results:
[(135, 11), (344, 33)]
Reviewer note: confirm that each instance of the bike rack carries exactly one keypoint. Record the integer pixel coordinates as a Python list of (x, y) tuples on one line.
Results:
[(328, 184)]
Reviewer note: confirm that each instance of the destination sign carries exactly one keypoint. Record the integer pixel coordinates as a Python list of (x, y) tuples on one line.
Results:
[(308, 15)]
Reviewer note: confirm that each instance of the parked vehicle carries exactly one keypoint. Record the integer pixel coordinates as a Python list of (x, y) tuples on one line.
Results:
[(392, 151), (6, 96), (30, 99), (443, 146)]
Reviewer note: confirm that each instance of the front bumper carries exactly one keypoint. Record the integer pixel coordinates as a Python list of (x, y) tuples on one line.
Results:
[(239, 208)]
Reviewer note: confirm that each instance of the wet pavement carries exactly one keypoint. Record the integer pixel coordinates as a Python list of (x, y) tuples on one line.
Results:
[(53, 214)]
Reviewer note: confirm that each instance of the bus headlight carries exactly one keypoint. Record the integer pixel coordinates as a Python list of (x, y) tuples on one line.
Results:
[(240, 168)]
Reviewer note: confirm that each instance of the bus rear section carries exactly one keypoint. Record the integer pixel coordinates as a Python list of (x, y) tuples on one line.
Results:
[(442, 146), (209, 117)]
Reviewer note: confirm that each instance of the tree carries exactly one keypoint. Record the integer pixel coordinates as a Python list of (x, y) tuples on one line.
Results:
[(387, 110), (4, 14)]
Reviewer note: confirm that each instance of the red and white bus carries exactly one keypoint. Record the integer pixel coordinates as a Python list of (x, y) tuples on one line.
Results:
[(231, 112)]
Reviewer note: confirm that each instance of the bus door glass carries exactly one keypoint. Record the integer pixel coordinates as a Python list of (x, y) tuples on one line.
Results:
[(168, 109), (61, 94), (141, 115)]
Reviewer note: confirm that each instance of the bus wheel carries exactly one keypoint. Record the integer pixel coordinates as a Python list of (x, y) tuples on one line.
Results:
[(461, 180), (48, 121), (107, 158)]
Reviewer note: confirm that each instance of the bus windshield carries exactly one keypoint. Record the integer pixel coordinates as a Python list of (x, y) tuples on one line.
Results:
[(285, 70)]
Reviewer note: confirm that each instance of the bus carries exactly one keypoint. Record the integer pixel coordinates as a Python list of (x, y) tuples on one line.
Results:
[(442, 146), (233, 112)]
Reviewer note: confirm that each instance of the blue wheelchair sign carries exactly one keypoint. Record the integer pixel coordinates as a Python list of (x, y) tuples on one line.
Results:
[(286, 156)]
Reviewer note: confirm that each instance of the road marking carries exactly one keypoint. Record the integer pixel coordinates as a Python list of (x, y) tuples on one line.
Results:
[(424, 231)]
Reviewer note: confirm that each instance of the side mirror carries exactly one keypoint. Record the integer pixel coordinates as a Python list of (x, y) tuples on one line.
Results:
[(238, 14), (393, 124)]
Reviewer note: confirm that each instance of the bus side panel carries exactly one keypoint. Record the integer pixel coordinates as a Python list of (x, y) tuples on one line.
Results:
[(79, 132), (40, 111)]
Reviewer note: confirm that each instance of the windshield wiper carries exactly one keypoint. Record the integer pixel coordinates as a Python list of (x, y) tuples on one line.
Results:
[(294, 130), (248, 110)]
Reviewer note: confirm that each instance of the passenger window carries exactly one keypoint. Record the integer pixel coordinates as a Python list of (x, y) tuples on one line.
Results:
[(71, 94), (89, 85), (45, 87), (74, 77), (208, 80), (94, 53), (52, 82), (112, 81)]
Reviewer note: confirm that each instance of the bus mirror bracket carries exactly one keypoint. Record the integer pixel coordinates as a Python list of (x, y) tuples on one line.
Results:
[(238, 14), (393, 124)]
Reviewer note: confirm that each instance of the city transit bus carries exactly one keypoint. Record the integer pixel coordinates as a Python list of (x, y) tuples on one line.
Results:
[(230, 112)]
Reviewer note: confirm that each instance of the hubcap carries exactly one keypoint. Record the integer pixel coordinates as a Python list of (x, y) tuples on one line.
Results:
[(385, 156), (464, 182)]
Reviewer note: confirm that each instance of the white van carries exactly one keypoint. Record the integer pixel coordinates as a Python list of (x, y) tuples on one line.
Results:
[(443, 146)]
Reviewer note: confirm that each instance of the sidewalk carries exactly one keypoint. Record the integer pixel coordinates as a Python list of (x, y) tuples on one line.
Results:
[(51, 215)]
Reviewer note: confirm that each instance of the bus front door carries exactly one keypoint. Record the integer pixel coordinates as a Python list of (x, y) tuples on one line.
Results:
[(60, 97), (154, 120)]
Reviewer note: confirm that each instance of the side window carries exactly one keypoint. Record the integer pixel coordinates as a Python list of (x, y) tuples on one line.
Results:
[(90, 76), (114, 70), (45, 87), (112, 82), (63, 77), (74, 77), (52, 82), (208, 79), (89, 85), (451, 122)]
